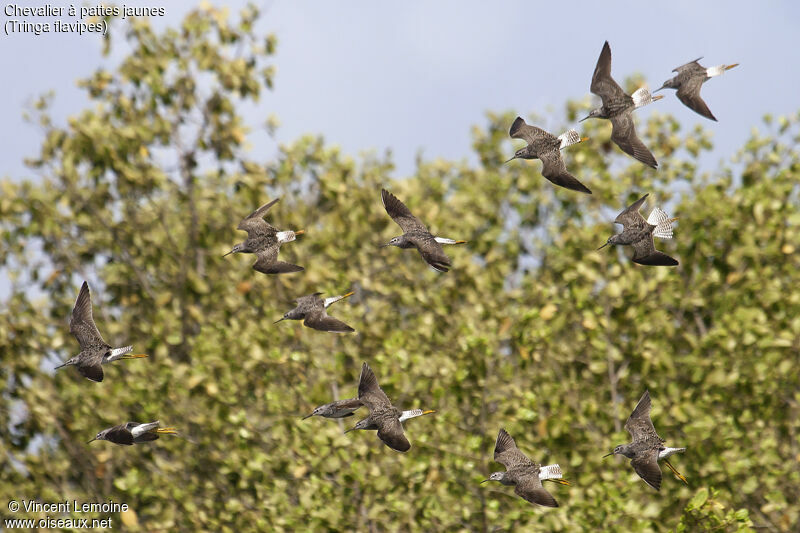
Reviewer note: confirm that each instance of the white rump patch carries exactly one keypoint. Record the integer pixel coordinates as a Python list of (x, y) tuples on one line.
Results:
[(642, 97), (116, 353), (413, 413), (332, 300), (285, 236), (666, 452), (568, 138), (550, 472), (141, 429), (662, 222)]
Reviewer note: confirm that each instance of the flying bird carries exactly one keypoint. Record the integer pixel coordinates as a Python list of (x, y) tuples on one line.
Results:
[(689, 81), (383, 416), (415, 234), (547, 147), (94, 350), (337, 409), (265, 241), (639, 233), (618, 107), (647, 447), (132, 433), (524, 474), (311, 310)]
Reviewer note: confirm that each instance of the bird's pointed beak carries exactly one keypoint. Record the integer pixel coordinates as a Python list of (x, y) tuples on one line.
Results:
[(94, 439), (299, 232), (279, 320), (229, 253), (346, 431), (584, 139), (657, 97), (384, 245), (662, 87), (461, 242), (606, 244), (134, 356), (60, 366), (429, 411), (606, 455), (348, 294), (728, 67), (584, 118), (307, 416), (484, 481), (167, 431), (509, 160), (561, 482)]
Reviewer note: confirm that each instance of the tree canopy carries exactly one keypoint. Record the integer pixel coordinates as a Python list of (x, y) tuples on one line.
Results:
[(532, 330)]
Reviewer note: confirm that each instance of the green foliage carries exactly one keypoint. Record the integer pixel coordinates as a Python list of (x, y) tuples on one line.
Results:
[(705, 513), (533, 330)]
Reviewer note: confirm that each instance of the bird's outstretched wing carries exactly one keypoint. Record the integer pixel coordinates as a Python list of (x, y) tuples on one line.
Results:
[(507, 453), (254, 221), (639, 424), (120, 435), (555, 170), (433, 254), (646, 465), (630, 216), (689, 94), (603, 85), (530, 488), (320, 320), (268, 263), (91, 371), (81, 324), (369, 392), (390, 431), (623, 132), (645, 253), (400, 213), (529, 134), (691, 65)]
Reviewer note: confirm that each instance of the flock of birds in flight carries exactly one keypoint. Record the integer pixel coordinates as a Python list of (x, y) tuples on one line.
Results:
[(264, 240)]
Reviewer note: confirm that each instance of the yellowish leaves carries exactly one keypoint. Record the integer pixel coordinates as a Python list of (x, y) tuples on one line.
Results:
[(129, 518), (548, 311), (243, 287), (788, 248)]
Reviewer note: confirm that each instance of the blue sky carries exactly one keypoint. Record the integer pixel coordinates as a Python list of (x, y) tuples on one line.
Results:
[(415, 76)]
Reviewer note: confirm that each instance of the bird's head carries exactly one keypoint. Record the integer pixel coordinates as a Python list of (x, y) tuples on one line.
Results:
[(495, 476), (669, 84), (396, 241), (294, 314), (100, 436), (617, 451), (319, 411), (594, 113), (236, 249), (71, 361), (522, 153), (614, 239)]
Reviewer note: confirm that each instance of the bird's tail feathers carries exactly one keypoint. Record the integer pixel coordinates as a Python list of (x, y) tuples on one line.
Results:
[(116, 352), (642, 97), (662, 222), (568, 138)]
